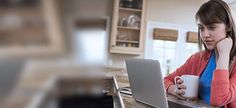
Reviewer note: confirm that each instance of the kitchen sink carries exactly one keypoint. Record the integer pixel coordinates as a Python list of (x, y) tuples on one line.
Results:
[(81, 92)]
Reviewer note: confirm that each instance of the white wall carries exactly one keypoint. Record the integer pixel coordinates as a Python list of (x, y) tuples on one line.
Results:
[(233, 7), (180, 12), (86, 7)]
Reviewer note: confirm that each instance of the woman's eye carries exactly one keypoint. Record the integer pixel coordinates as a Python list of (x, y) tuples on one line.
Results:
[(211, 27)]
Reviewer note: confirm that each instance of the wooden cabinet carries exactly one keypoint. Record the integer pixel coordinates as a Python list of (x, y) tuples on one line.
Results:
[(128, 27), (29, 28)]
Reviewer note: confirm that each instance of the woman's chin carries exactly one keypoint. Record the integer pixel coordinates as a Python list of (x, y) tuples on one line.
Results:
[(210, 47)]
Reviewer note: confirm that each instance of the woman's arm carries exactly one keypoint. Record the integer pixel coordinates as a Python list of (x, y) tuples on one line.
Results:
[(223, 62), (223, 88), (186, 68)]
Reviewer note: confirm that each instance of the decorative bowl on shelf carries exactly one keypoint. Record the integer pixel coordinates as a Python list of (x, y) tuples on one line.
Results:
[(133, 21)]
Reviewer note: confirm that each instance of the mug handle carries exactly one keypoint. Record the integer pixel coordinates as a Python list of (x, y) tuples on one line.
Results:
[(176, 80)]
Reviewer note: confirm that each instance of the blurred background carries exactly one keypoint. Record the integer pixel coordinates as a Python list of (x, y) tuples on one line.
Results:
[(66, 35)]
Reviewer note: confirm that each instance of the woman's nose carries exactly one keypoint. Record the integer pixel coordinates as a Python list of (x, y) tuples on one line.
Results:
[(205, 34)]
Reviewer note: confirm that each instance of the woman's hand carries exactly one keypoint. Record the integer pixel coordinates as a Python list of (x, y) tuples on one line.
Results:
[(223, 49), (224, 46), (179, 91)]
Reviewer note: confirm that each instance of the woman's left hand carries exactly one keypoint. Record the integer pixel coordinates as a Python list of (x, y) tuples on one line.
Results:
[(224, 46)]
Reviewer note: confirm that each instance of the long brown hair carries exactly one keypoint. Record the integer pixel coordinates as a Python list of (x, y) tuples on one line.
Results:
[(217, 11)]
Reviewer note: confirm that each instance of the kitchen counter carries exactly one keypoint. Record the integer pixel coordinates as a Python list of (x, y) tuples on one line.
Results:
[(36, 80)]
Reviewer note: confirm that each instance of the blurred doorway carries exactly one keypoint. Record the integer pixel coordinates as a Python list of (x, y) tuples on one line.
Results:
[(90, 41)]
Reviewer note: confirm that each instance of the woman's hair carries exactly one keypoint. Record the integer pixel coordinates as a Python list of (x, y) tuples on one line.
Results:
[(217, 11)]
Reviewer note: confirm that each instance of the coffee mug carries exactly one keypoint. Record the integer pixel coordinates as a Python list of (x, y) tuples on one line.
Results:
[(191, 82)]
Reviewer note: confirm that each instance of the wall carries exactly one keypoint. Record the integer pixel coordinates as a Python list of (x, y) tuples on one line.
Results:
[(86, 7), (233, 7), (180, 12)]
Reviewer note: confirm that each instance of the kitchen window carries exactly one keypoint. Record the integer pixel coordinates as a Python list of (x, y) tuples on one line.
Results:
[(170, 44), (192, 44), (164, 48), (164, 52)]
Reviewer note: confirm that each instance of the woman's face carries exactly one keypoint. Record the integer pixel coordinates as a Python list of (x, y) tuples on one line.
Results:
[(211, 34)]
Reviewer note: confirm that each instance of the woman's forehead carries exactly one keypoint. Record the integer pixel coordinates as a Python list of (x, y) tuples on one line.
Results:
[(199, 22)]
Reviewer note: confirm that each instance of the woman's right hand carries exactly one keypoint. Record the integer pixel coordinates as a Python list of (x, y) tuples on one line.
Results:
[(178, 90)]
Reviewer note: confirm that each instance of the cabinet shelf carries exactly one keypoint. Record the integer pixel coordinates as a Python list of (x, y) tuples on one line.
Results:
[(126, 52), (127, 41), (130, 28), (130, 9)]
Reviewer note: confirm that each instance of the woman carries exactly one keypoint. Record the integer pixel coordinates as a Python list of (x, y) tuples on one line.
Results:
[(215, 65)]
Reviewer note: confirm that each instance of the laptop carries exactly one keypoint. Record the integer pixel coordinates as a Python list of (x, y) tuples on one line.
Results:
[(146, 82)]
